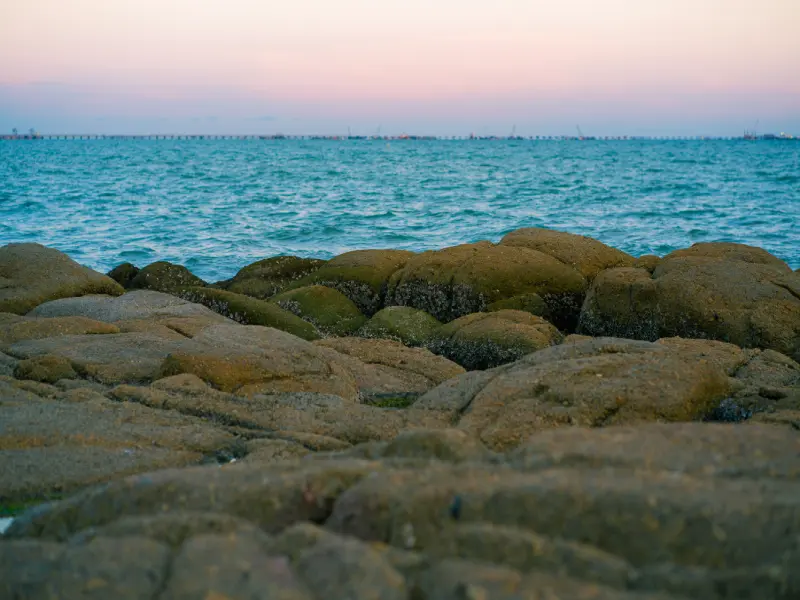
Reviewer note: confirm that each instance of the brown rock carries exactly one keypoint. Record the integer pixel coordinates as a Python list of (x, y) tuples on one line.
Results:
[(361, 275), (47, 368), (123, 274), (163, 276), (31, 328), (265, 278), (456, 281), (486, 340), (731, 293), (584, 254), (31, 274)]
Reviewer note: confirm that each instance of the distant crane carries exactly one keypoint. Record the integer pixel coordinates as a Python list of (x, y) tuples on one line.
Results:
[(15, 131), (580, 133), (513, 131)]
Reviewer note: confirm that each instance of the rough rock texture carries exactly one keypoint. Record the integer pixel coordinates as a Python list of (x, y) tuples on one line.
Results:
[(252, 359), (47, 368), (486, 340), (31, 274), (251, 311), (55, 445), (591, 383), (388, 370), (652, 512), (456, 281), (361, 275), (123, 274), (33, 328), (584, 254), (328, 310), (727, 292), (265, 278), (408, 325), (163, 276)]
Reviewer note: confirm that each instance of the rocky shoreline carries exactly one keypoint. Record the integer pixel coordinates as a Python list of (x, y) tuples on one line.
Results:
[(546, 417)]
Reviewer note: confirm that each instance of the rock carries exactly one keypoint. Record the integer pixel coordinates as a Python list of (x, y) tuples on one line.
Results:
[(593, 383), (133, 306), (124, 274), (584, 254), (163, 276), (111, 358), (47, 368), (408, 325), (131, 568), (327, 309), (648, 262), (7, 364), (53, 447), (31, 274), (217, 567), (532, 303), (361, 275), (385, 367), (486, 340), (348, 569), (269, 451), (250, 311), (31, 328), (265, 278), (465, 279), (451, 445), (249, 360), (735, 294)]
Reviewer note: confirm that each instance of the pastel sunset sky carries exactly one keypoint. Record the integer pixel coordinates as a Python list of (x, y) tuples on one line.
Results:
[(661, 67)]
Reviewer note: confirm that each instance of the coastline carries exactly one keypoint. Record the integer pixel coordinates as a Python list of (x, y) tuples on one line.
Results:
[(410, 416)]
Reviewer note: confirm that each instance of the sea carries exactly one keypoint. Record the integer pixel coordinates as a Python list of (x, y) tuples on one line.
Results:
[(217, 205)]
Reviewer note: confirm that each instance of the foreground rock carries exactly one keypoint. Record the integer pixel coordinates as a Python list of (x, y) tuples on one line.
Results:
[(327, 309), (659, 511), (590, 383), (57, 441), (722, 291), (408, 325), (31, 274)]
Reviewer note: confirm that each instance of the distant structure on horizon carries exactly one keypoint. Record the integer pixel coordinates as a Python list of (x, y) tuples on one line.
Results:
[(34, 135)]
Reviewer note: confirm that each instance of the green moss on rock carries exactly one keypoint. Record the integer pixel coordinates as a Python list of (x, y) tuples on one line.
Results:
[(409, 325), (123, 274), (330, 311), (164, 276), (265, 278), (250, 311)]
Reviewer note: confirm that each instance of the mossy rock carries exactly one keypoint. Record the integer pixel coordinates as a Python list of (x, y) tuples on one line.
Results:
[(123, 274), (265, 278), (361, 275), (530, 303), (32, 274), (164, 276), (47, 368), (486, 340), (250, 311), (330, 311), (409, 325), (466, 279)]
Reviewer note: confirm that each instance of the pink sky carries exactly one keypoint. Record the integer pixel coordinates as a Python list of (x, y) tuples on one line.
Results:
[(615, 66)]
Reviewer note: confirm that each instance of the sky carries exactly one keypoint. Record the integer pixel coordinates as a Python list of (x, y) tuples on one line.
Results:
[(443, 67)]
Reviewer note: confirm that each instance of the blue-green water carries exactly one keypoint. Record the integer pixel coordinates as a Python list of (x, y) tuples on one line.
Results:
[(218, 205)]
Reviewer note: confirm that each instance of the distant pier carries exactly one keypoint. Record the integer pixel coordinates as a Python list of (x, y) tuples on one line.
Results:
[(92, 136)]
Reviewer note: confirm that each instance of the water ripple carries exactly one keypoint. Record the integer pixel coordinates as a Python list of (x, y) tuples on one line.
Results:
[(218, 205)]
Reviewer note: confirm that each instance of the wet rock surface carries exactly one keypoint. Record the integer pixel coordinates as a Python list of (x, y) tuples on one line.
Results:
[(154, 447)]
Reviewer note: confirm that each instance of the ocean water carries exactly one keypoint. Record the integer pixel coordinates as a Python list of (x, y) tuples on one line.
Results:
[(216, 206)]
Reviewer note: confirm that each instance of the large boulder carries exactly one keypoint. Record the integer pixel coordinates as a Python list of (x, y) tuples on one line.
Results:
[(33, 328), (590, 383), (361, 275), (163, 276), (265, 278), (457, 281), (586, 255), (31, 274), (727, 292), (409, 325), (386, 370), (250, 311), (327, 309), (487, 340), (124, 273), (249, 360)]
